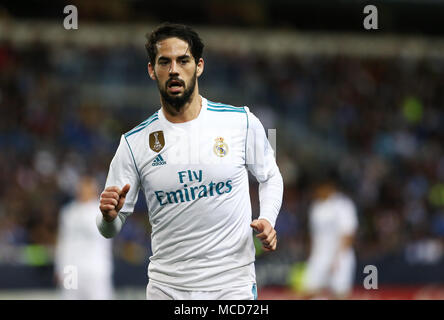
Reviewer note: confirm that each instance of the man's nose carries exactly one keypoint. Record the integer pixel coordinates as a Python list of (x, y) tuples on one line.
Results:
[(173, 68)]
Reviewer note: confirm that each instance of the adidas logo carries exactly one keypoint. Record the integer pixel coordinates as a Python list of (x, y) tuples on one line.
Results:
[(158, 161)]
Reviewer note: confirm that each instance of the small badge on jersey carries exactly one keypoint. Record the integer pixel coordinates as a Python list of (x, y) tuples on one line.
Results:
[(157, 141), (220, 147)]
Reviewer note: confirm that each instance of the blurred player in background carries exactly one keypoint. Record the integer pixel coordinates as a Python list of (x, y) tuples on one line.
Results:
[(81, 246), (199, 203), (332, 224)]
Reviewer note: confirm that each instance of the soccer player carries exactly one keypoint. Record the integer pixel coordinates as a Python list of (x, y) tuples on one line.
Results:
[(333, 223), (190, 158), (83, 258)]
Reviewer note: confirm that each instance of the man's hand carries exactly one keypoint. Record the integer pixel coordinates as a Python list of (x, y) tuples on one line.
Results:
[(267, 234), (112, 200)]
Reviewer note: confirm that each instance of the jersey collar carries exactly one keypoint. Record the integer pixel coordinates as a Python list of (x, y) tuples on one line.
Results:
[(187, 124)]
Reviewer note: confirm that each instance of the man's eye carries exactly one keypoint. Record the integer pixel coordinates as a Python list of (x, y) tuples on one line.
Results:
[(163, 63), (184, 61)]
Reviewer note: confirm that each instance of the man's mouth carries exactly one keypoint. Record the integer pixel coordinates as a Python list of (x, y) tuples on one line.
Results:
[(175, 86)]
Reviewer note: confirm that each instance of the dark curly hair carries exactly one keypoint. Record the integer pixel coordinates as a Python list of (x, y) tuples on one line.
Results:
[(170, 30)]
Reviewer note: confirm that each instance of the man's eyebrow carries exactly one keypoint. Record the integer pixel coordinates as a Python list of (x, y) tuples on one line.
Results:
[(184, 56)]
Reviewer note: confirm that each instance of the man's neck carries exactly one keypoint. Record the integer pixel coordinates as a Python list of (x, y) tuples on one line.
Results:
[(188, 112)]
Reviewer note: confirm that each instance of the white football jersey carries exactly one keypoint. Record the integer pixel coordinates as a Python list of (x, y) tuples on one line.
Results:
[(78, 242), (329, 221), (195, 179)]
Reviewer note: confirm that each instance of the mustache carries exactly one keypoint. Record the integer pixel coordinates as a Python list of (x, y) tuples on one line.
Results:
[(175, 79)]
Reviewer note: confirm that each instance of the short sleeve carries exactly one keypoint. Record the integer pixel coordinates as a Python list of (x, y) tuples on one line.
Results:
[(123, 170)]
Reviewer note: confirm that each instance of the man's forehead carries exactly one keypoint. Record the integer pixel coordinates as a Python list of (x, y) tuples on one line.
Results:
[(172, 46)]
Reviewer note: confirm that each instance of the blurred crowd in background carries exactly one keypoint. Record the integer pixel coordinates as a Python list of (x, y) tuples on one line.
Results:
[(377, 121)]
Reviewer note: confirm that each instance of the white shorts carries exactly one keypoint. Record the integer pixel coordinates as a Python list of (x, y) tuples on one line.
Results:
[(90, 287), (340, 282), (157, 291)]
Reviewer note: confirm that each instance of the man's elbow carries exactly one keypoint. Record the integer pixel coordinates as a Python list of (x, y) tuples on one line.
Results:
[(108, 236)]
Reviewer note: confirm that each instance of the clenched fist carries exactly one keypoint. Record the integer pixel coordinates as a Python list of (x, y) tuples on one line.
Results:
[(112, 200), (267, 234)]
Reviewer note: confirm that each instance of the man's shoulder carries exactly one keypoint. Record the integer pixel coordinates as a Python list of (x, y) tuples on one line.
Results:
[(147, 123), (227, 115), (343, 201), (224, 108), (68, 208)]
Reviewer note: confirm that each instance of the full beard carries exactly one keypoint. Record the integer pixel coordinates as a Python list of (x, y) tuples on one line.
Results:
[(178, 101)]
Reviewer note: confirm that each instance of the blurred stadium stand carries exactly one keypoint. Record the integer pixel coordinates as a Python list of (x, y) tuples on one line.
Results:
[(370, 105)]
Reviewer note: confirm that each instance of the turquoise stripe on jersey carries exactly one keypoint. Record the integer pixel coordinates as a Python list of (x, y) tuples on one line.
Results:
[(226, 110), (221, 105), (144, 124), (254, 291), (134, 160), (147, 120), (152, 116), (140, 127)]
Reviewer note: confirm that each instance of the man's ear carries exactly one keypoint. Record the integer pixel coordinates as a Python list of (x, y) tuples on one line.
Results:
[(151, 71), (200, 67)]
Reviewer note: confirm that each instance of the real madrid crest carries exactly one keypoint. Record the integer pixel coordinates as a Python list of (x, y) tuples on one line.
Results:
[(220, 147), (157, 141)]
